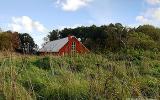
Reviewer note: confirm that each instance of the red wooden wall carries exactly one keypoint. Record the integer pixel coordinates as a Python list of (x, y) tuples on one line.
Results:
[(67, 49)]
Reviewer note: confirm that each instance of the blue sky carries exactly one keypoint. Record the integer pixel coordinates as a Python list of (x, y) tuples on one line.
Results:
[(38, 17)]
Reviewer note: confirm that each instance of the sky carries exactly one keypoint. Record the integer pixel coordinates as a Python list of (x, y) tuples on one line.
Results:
[(39, 17)]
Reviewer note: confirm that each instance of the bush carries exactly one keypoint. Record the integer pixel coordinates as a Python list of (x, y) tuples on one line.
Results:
[(43, 63)]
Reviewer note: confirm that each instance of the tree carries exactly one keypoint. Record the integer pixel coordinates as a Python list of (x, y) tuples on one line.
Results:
[(5, 41), (140, 41), (54, 35), (27, 44), (15, 40), (150, 30), (9, 41), (112, 37), (116, 36)]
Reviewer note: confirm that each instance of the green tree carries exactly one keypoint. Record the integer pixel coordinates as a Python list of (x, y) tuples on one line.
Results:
[(53, 35), (150, 30), (112, 37), (27, 44), (116, 36), (138, 40)]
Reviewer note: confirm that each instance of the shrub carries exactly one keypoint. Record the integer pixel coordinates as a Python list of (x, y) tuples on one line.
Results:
[(43, 63)]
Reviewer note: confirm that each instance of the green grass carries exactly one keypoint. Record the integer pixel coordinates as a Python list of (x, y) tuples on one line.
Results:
[(96, 77)]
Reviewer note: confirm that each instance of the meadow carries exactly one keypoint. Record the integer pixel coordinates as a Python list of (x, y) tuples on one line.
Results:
[(108, 76)]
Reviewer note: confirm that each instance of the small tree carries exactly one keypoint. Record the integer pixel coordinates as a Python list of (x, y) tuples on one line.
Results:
[(9, 41), (27, 44), (54, 35)]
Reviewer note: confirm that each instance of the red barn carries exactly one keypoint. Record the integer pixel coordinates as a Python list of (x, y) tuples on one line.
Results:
[(68, 45)]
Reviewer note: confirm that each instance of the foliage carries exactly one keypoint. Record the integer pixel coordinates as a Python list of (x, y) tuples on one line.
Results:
[(113, 37), (43, 63), (151, 31), (140, 41), (26, 43), (9, 41), (54, 35), (14, 41)]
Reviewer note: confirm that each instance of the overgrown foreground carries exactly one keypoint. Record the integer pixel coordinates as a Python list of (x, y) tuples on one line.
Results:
[(134, 74)]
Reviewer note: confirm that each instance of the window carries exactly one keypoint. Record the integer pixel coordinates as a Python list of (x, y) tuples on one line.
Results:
[(73, 47)]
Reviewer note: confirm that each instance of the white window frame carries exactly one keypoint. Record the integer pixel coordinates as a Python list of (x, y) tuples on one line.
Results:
[(73, 47)]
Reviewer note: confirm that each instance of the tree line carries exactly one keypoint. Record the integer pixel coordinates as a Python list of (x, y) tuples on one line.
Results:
[(17, 42), (113, 37)]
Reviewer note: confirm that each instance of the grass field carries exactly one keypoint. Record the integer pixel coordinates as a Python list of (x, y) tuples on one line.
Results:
[(108, 76)]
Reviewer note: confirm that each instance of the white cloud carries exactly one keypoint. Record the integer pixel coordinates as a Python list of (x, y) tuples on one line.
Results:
[(143, 20), (156, 14), (39, 27), (72, 5), (16, 27), (151, 15), (26, 24), (153, 2)]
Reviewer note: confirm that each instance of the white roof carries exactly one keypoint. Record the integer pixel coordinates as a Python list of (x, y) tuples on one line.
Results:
[(54, 46)]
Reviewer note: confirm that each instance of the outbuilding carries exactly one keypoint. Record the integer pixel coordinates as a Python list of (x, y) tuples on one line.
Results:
[(68, 45)]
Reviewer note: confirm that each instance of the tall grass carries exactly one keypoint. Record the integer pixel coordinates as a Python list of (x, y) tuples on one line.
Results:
[(80, 77)]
